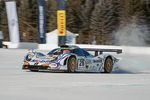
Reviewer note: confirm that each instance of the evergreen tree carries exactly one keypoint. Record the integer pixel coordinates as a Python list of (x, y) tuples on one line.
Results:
[(132, 14), (3, 21), (27, 12), (103, 22), (51, 14), (146, 7), (130, 9), (72, 15), (96, 21), (86, 11), (1, 11)]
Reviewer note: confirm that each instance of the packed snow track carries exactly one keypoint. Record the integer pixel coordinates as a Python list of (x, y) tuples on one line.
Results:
[(130, 82)]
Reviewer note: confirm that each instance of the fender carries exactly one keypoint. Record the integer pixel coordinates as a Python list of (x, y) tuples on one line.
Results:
[(63, 59)]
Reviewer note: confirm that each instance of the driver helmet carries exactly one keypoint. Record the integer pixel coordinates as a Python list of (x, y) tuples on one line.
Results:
[(66, 51)]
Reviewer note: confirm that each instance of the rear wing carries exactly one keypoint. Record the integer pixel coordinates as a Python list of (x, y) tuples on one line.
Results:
[(100, 51)]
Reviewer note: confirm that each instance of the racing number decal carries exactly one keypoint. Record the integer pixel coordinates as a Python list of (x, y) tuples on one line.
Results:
[(81, 62)]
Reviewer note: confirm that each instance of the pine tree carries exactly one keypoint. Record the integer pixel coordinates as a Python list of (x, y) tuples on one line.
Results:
[(51, 15), (3, 21), (72, 15), (1, 11), (27, 12), (146, 7), (86, 11), (78, 18), (130, 9), (102, 22), (96, 21), (132, 14)]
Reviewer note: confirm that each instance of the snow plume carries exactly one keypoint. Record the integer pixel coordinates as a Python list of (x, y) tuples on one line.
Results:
[(132, 34)]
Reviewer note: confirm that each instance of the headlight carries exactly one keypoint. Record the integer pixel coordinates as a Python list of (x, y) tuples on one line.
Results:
[(29, 56)]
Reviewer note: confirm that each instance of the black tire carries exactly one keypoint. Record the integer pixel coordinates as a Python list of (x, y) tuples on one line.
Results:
[(72, 64), (25, 67), (108, 65), (34, 70)]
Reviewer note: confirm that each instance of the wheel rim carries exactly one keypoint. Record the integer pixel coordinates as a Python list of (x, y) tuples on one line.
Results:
[(72, 64), (108, 65)]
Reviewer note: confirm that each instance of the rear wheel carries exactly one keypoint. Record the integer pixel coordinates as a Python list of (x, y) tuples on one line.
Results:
[(108, 65), (72, 64)]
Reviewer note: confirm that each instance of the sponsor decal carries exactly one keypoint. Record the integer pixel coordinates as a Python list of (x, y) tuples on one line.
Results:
[(36, 63), (35, 60), (41, 61), (12, 20), (61, 21), (88, 61), (41, 21), (97, 61), (53, 65), (81, 62)]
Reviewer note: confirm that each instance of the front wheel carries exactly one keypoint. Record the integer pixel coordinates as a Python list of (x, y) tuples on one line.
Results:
[(72, 64), (34, 70), (108, 65)]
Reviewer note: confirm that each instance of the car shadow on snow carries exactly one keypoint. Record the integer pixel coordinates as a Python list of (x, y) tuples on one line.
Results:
[(119, 71)]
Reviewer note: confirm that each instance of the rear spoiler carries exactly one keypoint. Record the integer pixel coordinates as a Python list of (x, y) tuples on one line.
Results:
[(100, 51)]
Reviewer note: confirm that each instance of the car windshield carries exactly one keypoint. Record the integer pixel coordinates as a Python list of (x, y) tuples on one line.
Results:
[(54, 51), (40, 54), (58, 51)]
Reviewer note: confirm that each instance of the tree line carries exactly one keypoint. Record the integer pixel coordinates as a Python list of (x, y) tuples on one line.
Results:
[(96, 21)]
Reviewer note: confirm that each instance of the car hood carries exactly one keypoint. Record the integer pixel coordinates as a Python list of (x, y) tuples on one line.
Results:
[(47, 57)]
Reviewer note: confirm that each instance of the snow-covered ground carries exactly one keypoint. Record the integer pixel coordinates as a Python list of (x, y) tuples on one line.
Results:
[(130, 82)]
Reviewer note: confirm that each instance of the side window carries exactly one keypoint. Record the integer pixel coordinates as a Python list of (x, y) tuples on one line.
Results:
[(79, 52), (86, 53)]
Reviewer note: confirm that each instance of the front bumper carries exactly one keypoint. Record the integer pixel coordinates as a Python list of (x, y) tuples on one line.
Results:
[(34, 67), (42, 67)]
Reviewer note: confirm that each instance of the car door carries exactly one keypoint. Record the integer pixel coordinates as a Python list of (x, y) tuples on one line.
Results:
[(92, 64), (80, 58), (96, 64), (88, 58)]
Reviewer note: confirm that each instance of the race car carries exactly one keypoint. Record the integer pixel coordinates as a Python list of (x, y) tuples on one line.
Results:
[(71, 59)]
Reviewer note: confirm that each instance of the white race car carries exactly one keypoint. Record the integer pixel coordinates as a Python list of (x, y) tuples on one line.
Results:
[(71, 59)]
